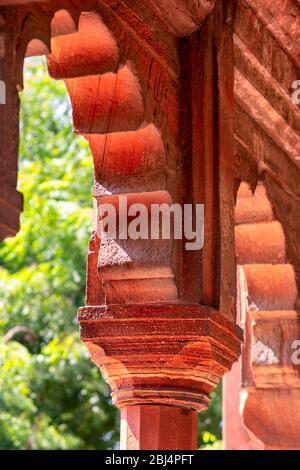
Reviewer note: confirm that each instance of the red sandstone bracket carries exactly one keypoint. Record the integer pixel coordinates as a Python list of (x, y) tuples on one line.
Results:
[(159, 320)]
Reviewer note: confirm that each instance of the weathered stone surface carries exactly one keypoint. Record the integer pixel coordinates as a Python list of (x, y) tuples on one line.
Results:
[(11, 201), (236, 435), (266, 384), (145, 323), (138, 422), (90, 51)]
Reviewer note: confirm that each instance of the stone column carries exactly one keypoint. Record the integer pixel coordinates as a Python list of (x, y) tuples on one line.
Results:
[(262, 394), (175, 428), (159, 319), (11, 201)]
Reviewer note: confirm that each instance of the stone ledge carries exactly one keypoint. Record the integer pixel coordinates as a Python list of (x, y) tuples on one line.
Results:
[(163, 353)]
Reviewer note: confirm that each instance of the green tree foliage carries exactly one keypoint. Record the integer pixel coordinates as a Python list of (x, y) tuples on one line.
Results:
[(51, 395), (210, 430)]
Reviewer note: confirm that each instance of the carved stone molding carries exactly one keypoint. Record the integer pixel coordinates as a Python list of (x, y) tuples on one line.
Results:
[(164, 353), (268, 382)]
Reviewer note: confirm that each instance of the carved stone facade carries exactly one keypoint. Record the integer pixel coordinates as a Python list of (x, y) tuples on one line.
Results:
[(184, 105), (269, 379)]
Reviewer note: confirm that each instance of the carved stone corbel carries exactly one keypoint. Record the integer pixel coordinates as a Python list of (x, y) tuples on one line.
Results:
[(159, 320)]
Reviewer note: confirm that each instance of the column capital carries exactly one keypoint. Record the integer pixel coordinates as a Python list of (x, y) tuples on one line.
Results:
[(167, 353)]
